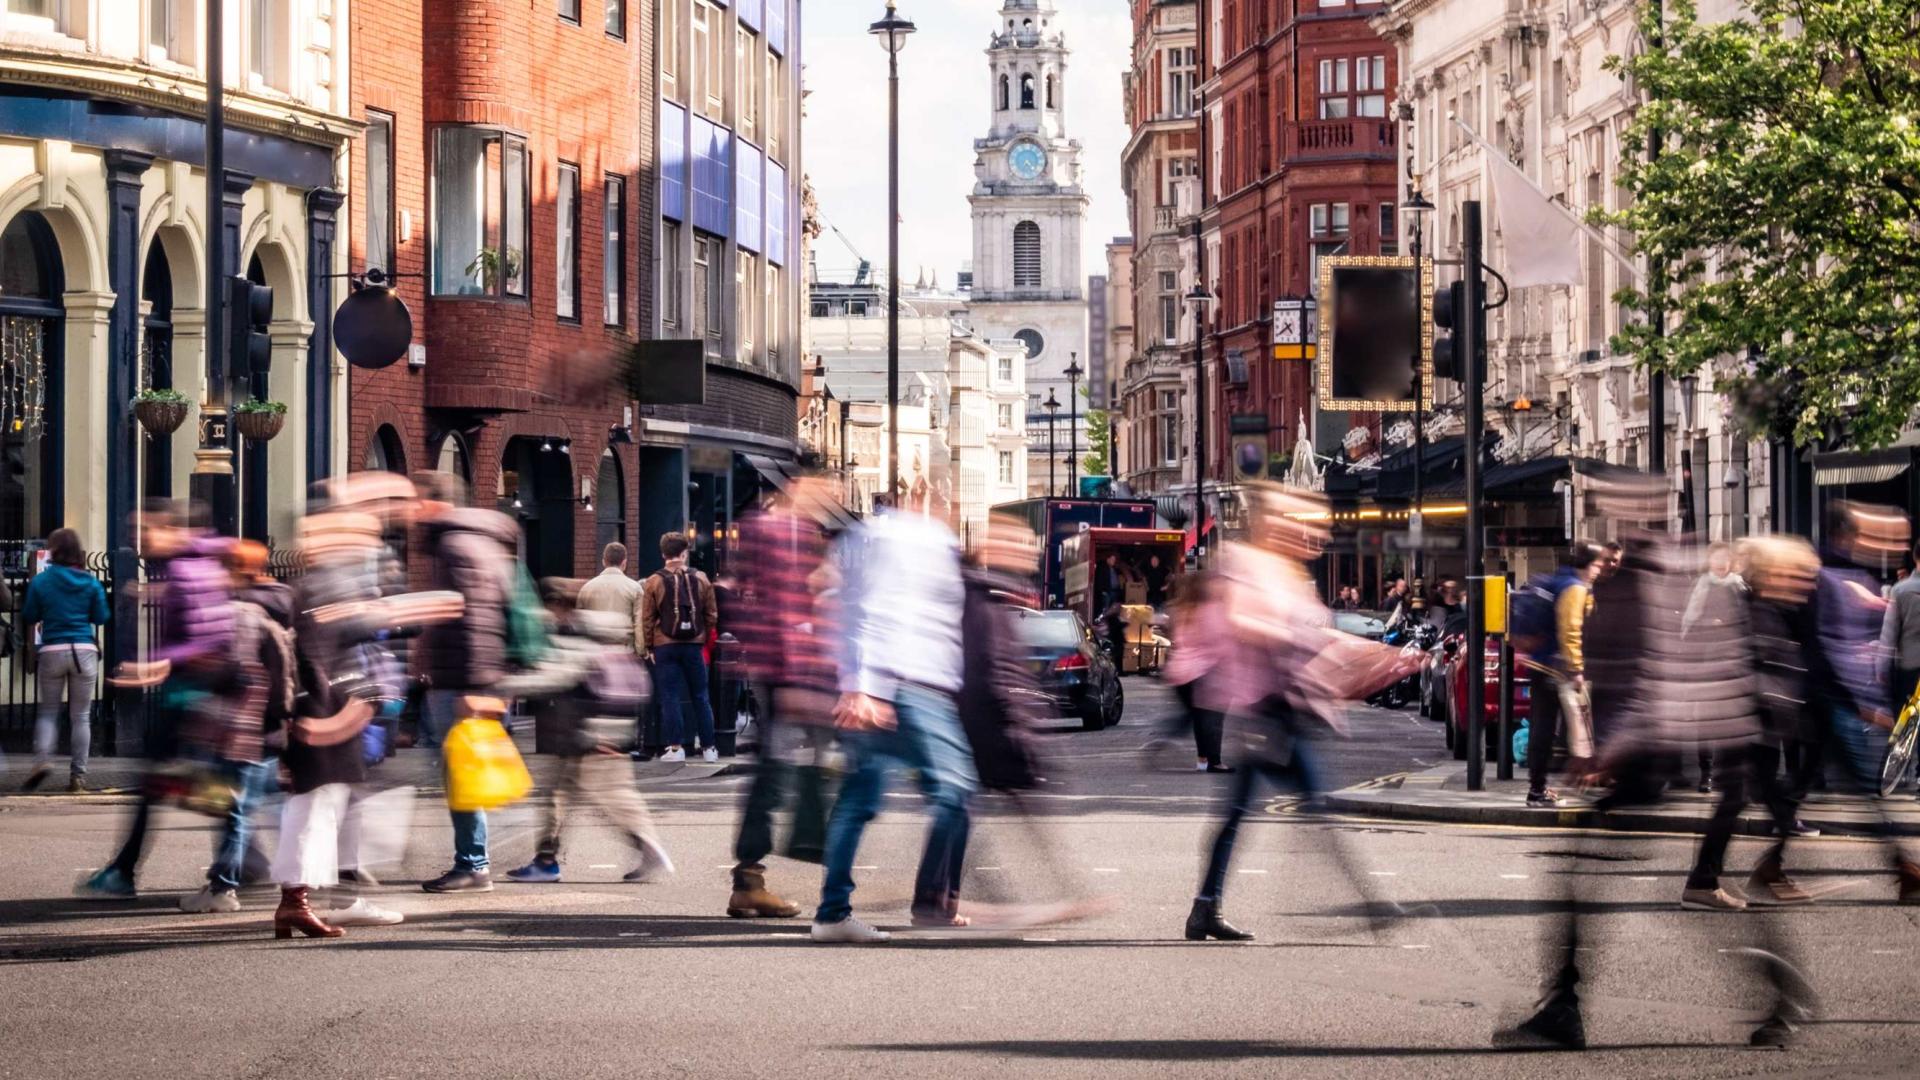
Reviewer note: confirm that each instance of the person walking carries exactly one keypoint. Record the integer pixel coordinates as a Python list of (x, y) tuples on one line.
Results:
[(66, 603), (1900, 637), (900, 667), (1718, 596), (1558, 661), (678, 612), (1200, 642), (471, 552)]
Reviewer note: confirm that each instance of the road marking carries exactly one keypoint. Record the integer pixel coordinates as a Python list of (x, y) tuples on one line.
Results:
[(1888, 952), (1253, 871), (1106, 869), (601, 866), (1384, 873), (1516, 877), (1416, 946), (986, 868), (471, 930), (866, 868), (729, 866), (1044, 939), (788, 935), (634, 934), (1643, 879)]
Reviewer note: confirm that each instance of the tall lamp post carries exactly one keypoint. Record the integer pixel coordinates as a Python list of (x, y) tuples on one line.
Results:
[(1417, 207), (1689, 403), (1052, 405), (1200, 298), (1074, 371), (892, 31)]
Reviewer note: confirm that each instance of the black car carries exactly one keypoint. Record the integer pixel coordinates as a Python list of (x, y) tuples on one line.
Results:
[(1076, 676)]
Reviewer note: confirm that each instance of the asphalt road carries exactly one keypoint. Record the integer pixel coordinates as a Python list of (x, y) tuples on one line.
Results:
[(593, 978)]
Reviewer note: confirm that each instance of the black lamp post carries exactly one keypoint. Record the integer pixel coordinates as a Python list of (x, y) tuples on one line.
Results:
[(892, 31), (1417, 207), (1074, 371), (1052, 405), (1200, 298)]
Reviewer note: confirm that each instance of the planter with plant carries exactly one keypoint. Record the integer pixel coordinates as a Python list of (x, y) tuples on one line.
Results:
[(160, 411), (260, 420)]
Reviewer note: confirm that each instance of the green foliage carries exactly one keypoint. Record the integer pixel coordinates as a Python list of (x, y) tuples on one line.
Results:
[(1099, 444), (1783, 213), (257, 406), (161, 396)]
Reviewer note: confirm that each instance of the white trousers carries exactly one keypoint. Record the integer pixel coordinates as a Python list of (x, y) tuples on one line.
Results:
[(309, 852)]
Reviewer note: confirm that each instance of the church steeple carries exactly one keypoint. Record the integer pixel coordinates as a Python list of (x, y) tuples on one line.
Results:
[(1028, 57)]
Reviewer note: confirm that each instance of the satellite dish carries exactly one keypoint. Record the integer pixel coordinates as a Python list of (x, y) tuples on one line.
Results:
[(372, 328)]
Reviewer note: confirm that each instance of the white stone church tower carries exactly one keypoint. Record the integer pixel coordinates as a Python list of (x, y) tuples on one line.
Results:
[(1028, 207)]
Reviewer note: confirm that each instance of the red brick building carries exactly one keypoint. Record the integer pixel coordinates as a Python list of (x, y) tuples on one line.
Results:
[(1298, 157)]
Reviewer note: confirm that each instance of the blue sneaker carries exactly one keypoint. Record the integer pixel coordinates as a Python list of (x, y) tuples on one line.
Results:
[(108, 884), (536, 873)]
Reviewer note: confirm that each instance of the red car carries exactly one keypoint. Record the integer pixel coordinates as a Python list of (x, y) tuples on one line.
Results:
[(1456, 648)]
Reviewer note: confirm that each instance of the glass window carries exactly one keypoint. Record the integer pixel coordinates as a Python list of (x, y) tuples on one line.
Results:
[(1169, 319), (709, 294), (480, 213), (570, 10), (1005, 416), (609, 503), (453, 461), (709, 60), (1006, 369), (1006, 462), (775, 309), (613, 258), (669, 35), (266, 41), (747, 62), (775, 120), (748, 299), (1026, 91), (566, 243), (1026, 256), (617, 19), (379, 138), (670, 274)]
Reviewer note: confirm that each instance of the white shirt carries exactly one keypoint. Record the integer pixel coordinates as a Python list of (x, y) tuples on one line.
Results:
[(900, 606)]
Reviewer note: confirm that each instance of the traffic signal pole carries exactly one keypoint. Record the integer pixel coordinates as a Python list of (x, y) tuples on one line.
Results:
[(1471, 338), (212, 481)]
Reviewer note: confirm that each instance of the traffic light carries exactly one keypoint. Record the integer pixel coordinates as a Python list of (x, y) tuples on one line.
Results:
[(249, 311), (1449, 315)]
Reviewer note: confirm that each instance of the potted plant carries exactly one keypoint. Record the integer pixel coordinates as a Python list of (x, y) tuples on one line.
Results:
[(260, 420), (160, 411)]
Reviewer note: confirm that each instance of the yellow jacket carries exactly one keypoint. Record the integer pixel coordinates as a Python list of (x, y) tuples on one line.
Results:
[(1570, 611)]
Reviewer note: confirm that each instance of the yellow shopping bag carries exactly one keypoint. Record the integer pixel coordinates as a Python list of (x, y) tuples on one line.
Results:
[(484, 769)]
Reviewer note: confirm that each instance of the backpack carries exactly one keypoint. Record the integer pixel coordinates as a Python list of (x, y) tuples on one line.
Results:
[(527, 640), (1531, 624), (688, 616), (264, 642)]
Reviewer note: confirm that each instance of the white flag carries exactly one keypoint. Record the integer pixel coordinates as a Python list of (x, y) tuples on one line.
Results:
[(1542, 237)]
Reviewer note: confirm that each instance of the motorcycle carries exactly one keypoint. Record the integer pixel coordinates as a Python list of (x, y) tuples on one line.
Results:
[(1420, 635)]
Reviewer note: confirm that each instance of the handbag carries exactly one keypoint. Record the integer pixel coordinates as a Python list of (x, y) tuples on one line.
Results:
[(484, 768), (200, 787)]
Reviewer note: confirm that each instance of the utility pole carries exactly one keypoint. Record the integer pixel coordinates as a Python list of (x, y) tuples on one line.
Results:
[(1656, 313), (1471, 338), (212, 480)]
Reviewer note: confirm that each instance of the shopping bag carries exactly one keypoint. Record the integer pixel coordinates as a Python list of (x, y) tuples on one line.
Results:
[(484, 769)]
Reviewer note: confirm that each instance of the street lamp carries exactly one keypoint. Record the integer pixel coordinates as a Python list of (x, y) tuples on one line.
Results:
[(1689, 402), (1417, 207), (892, 32), (1074, 371), (1199, 297), (1052, 405)]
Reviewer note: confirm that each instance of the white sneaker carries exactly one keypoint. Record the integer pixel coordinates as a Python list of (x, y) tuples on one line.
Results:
[(363, 913), (848, 931), (674, 755), (709, 754), (654, 865), (209, 901)]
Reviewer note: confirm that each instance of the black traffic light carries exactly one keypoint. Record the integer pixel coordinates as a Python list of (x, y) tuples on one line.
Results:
[(249, 311), (1449, 315)]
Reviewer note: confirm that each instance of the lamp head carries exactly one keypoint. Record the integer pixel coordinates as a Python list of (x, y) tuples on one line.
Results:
[(892, 30)]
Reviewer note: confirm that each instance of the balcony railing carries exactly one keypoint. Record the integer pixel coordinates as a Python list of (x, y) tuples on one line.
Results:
[(1368, 137)]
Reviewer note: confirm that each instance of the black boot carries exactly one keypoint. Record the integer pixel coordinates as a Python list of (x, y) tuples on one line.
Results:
[(1555, 1025), (1204, 922)]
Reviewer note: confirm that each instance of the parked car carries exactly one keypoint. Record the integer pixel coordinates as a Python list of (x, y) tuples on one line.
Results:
[(1456, 688), (1077, 677)]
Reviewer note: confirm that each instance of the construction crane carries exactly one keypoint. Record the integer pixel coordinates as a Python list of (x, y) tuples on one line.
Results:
[(865, 269)]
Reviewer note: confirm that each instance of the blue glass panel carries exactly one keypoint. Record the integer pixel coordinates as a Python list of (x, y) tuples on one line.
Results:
[(673, 161)]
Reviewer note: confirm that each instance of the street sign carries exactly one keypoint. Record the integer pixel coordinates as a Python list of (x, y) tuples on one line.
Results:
[(1425, 541), (1526, 536)]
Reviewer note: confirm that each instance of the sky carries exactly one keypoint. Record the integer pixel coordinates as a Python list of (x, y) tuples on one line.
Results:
[(943, 108)]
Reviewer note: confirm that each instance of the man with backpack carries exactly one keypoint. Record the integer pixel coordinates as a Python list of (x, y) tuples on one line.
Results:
[(1549, 625), (678, 611)]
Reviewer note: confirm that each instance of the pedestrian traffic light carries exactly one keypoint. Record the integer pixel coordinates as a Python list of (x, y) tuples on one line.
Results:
[(249, 311), (1449, 314)]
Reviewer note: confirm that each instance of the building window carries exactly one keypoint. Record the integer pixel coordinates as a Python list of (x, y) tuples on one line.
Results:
[(1329, 219), (1026, 256), (267, 31), (379, 138), (1169, 306), (385, 452), (668, 31), (709, 294), (613, 257), (746, 61), (609, 502), (1370, 86), (820, 309), (1005, 92), (169, 32), (857, 309), (670, 275), (1334, 88), (775, 119), (570, 11), (709, 60), (1050, 91), (1181, 82), (1006, 369), (747, 298), (1387, 222), (1006, 464), (617, 19), (1170, 444), (775, 309), (1026, 91), (566, 243), (453, 459), (1005, 416), (480, 213)]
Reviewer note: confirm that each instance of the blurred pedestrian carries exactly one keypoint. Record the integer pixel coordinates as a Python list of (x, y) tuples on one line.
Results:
[(66, 603), (1900, 637), (1201, 640), (1717, 597), (679, 611), (1557, 662), (900, 667)]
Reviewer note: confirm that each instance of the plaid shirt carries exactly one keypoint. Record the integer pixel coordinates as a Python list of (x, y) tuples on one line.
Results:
[(780, 622)]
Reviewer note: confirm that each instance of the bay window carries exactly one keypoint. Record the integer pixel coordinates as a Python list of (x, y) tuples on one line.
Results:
[(480, 213)]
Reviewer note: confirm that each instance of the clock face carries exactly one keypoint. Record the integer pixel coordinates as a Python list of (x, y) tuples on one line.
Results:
[(1027, 160), (1286, 327)]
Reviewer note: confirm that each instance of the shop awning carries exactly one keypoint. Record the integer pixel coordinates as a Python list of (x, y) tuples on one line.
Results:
[(1860, 467), (781, 476)]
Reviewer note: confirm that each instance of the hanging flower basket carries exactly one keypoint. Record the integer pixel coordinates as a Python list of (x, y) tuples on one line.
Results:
[(260, 421), (161, 412)]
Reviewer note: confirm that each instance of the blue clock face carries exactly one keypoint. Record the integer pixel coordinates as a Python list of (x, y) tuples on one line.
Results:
[(1028, 160)]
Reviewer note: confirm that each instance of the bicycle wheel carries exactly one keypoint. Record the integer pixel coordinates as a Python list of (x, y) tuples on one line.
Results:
[(1900, 746)]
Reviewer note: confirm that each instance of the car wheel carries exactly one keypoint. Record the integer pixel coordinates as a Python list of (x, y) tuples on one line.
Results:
[(1091, 720), (1117, 705)]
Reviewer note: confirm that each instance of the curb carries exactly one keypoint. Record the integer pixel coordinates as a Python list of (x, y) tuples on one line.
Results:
[(124, 796), (1370, 802)]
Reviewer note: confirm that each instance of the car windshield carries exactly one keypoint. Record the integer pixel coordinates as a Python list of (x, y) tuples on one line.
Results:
[(1052, 629), (1354, 623)]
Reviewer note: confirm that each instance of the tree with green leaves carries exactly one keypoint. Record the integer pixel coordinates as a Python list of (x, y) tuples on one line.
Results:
[(1099, 443), (1781, 217)]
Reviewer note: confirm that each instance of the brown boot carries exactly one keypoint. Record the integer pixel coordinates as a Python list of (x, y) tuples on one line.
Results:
[(1909, 882), (752, 900), (295, 913)]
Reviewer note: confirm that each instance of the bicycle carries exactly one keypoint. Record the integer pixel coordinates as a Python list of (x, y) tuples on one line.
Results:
[(1900, 746)]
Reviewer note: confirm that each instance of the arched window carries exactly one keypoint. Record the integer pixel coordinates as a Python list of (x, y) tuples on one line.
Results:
[(1006, 91), (156, 362), (31, 321), (609, 502), (385, 453), (453, 460), (1026, 91), (1049, 91), (1026, 255)]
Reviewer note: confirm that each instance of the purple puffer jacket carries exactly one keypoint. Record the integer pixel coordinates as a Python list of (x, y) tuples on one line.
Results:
[(196, 608)]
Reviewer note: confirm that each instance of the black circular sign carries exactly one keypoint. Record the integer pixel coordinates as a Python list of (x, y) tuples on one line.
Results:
[(372, 327)]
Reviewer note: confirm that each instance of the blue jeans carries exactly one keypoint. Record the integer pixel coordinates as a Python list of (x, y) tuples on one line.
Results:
[(1861, 746), (1300, 770), (926, 737), (254, 780), (680, 675), (441, 711)]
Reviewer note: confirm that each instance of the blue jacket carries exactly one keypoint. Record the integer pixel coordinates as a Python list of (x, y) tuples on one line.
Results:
[(67, 603)]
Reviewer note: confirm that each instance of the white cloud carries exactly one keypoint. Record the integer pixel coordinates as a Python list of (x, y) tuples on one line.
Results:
[(944, 106)]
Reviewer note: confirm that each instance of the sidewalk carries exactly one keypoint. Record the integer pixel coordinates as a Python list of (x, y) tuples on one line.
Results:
[(1440, 794), (115, 779)]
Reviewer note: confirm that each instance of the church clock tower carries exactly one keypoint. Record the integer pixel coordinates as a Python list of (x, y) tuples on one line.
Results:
[(1028, 207)]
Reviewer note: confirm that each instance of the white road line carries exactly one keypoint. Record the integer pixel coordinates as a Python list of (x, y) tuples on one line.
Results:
[(1643, 879), (1416, 946), (1253, 871), (978, 868), (788, 935), (1888, 952), (1384, 873), (1516, 877), (600, 866), (1043, 939), (471, 930), (1106, 869), (866, 868), (633, 934)]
